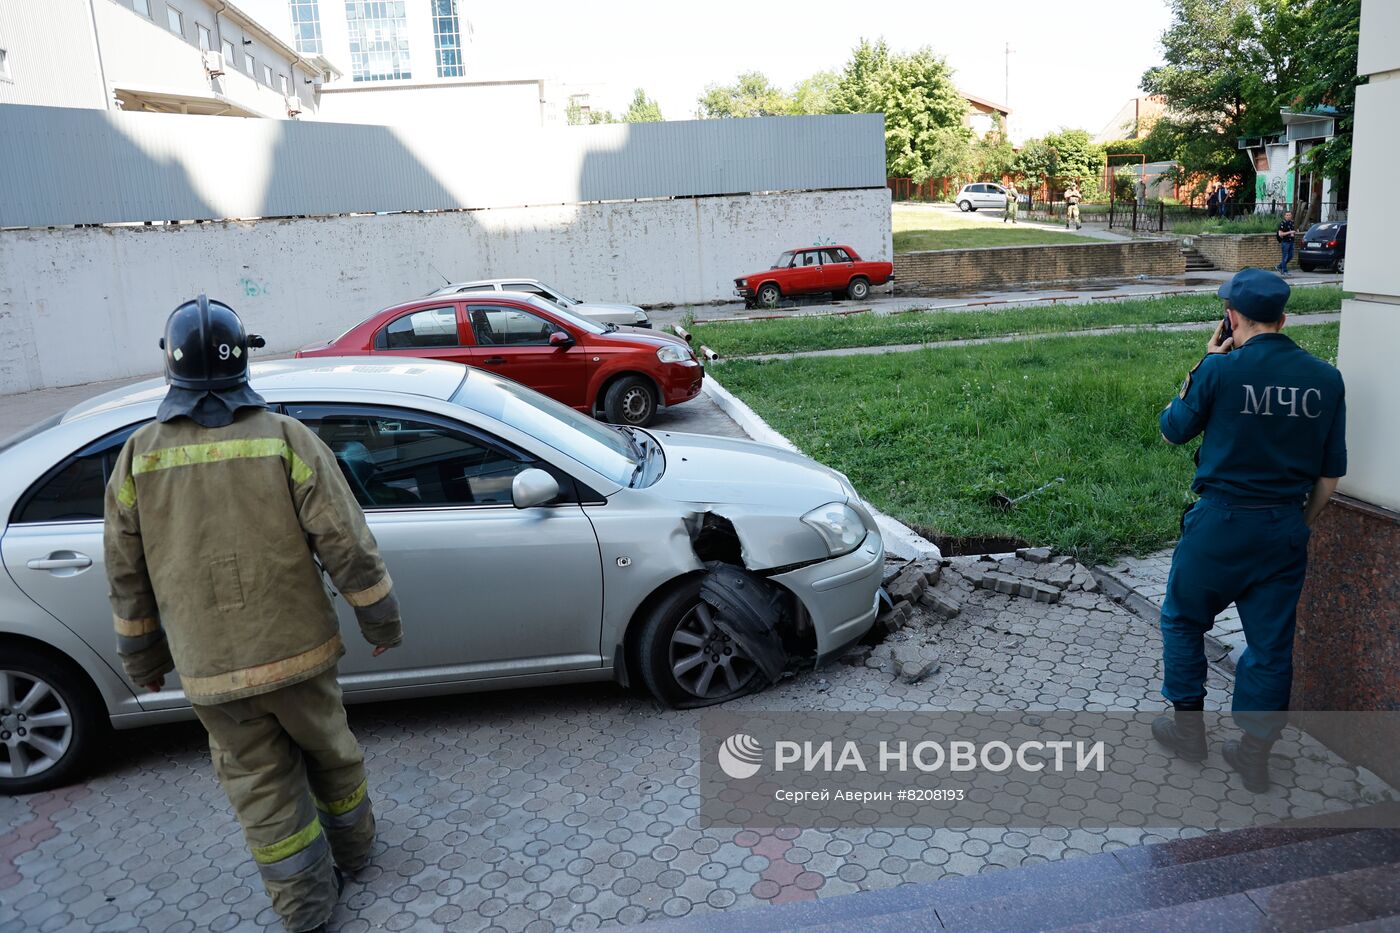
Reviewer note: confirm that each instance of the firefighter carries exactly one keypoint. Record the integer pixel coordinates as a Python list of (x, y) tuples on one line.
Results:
[(217, 515)]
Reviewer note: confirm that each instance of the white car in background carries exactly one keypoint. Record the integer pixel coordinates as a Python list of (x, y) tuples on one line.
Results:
[(981, 194), (621, 315)]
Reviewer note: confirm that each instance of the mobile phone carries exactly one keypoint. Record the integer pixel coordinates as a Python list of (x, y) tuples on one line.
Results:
[(1226, 331)]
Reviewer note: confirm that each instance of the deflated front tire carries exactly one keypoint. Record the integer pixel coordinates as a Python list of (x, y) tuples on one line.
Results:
[(685, 659)]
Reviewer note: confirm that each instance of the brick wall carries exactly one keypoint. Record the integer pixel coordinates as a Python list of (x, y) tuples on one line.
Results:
[(1233, 252), (1011, 266)]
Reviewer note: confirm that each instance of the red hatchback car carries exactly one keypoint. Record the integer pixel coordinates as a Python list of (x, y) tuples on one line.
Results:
[(812, 270), (624, 374)]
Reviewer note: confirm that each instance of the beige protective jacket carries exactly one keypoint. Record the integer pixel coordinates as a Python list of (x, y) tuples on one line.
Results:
[(211, 540)]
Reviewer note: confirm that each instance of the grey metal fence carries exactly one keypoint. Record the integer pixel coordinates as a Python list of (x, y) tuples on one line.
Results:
[(66, 166)]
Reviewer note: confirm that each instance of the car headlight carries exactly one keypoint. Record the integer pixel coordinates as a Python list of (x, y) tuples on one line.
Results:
[(639, 316), (743, 281), (839, 525), (674, 354)]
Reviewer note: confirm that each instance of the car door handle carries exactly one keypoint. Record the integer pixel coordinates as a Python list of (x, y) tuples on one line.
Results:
[(494, 359), (75, 562)]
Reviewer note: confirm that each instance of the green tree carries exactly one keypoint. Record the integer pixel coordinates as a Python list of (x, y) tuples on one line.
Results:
[(926, 133), (1210, 52), (642, 109), (752, 95), (992, 155), (1035, 162), (1328, 34), (814, 95), (1075, 156), (575, 115)]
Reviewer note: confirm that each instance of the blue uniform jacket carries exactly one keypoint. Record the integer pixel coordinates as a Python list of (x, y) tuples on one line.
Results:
[(1274, 418)]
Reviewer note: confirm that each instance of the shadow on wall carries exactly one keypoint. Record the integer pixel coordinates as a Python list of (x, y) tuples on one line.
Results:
[(117, 284)]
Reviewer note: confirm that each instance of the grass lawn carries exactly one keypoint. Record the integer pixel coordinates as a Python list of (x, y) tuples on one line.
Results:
[(930, 436), (790, 335), (1249, 223), (922, 228)]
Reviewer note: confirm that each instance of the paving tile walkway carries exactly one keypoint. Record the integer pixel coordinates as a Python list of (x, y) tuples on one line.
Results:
[(1146, 577), (577, 807)]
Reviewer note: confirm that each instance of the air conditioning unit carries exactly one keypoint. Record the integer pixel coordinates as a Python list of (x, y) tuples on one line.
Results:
[(213, 63), (293, 106)]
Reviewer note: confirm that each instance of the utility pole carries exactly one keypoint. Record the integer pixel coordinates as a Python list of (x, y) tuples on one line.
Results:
[(1006, 88)]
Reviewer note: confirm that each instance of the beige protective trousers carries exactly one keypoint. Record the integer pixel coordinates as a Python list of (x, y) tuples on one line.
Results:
[(295, 776)]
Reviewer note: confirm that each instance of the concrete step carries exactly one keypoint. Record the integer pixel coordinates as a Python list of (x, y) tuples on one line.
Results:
[(1195, 262), (1214, 871)]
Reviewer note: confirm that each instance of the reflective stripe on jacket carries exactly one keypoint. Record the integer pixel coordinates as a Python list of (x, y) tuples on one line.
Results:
[(211, 540)]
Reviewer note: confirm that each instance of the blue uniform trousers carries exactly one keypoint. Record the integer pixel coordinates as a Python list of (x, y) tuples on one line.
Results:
[(1253, 557)]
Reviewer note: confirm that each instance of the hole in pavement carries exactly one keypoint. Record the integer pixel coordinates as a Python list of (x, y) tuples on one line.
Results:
[(953, 546)]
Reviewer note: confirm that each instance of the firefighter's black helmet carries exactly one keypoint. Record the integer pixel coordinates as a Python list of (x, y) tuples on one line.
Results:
[(206, 347)]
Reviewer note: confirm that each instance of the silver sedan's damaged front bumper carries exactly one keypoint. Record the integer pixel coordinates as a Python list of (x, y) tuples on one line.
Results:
[(841, 595)]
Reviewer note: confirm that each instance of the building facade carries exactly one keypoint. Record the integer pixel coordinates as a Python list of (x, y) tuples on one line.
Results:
[(165, 56), (384, 41)]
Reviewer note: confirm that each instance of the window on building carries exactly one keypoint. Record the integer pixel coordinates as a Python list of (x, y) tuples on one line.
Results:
[(267, 75), (378, 40), (306, 26), (286, 88), (5, 66), (205, 40), (248, 64), (228, 53), (143, 7), (175, 20), (447, 39)]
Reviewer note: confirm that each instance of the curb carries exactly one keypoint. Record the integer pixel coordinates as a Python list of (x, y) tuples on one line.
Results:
[(1217, 652), (900, 539)]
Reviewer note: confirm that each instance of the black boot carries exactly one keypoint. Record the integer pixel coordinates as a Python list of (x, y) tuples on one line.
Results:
[(1184, 732), (1250, 757)]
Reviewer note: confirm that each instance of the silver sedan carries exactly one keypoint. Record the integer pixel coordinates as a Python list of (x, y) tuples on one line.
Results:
[(530, 544)]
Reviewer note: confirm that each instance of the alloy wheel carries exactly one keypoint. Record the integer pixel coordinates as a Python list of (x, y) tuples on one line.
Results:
[(36, 726), (705, 662)]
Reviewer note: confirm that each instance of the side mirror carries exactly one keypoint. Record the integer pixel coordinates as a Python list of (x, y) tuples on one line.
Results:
[(561, 339), (533, 487)]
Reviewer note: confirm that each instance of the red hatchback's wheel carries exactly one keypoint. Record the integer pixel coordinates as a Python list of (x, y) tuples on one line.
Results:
[(630, 401), (768, 296)]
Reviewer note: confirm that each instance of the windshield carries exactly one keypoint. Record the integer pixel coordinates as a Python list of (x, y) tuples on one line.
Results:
[(602, 448), (784, 260), (582, 323)]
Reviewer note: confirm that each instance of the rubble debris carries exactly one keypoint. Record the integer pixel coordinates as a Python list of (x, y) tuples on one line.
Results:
[(941, 603), (1036, 555)]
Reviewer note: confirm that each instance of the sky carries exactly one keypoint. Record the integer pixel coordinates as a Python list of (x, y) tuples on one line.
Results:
[(1073, 63)]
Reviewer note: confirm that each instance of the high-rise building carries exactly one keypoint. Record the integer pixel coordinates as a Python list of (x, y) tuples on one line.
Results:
[(417, 41)]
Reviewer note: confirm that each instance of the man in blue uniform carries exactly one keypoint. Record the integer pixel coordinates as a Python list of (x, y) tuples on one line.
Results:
[(1274, 419)]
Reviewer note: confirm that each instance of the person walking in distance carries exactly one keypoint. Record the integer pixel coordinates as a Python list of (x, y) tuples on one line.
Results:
[(1274, 420), (1072, 199), (1286, 233), (220, 518), (1012, 203)]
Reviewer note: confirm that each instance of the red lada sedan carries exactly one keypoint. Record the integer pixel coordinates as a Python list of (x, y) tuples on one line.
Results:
[(622, 373), (812, 270)]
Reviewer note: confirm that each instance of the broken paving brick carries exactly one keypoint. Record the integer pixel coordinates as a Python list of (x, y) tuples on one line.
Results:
[(933, 572), (942, 603), (1036, 555)]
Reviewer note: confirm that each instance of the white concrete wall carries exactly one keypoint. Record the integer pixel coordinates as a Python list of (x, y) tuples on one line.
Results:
[(491, 109), (1371, 322), (86, 304)]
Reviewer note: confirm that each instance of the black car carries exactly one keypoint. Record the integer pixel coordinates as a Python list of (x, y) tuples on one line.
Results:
[(1324, 246)]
